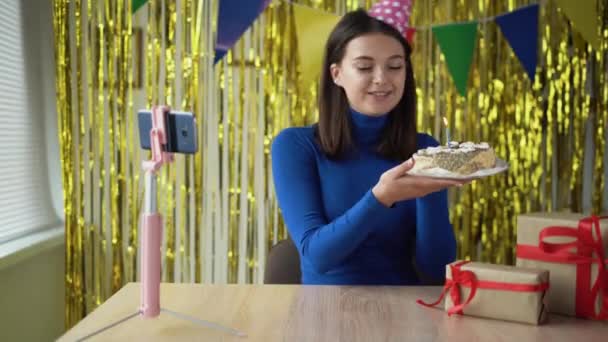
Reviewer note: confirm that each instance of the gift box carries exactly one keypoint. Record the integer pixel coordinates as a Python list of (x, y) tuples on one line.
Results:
[(573, 248), (495, 291)]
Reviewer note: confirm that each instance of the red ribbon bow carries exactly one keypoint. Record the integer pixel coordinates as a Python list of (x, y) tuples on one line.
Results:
[(459, 278), (466, 278), (589, 249)]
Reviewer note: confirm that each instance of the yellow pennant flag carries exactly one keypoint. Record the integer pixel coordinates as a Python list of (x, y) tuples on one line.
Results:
[(313, 28), (583, 15)]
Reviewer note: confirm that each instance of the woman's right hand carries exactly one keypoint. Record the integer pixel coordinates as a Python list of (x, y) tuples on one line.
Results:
[(396, 185)]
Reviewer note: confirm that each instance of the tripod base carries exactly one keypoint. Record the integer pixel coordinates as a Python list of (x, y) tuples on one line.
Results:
[(200, 322)]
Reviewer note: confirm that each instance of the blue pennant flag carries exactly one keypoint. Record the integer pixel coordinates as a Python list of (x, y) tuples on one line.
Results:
[(520, 28), (234, 17)]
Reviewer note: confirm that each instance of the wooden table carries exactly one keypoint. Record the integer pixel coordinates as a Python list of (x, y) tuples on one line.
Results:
[(313, 313)]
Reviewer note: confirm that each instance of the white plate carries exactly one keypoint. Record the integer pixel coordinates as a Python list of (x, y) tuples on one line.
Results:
[(436, 172)]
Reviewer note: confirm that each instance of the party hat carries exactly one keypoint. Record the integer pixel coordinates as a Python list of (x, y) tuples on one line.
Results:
[(395, 13)]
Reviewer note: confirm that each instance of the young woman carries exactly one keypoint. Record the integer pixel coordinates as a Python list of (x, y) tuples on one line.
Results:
[(350, 207)]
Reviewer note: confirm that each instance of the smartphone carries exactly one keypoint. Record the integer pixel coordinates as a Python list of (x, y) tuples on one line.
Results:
[(180, 127)]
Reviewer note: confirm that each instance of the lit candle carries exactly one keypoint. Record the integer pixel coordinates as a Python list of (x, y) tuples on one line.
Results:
[(447, 131)]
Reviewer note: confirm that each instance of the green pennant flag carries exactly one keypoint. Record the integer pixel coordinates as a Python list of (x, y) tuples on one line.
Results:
[(136, 4), (457, 42)]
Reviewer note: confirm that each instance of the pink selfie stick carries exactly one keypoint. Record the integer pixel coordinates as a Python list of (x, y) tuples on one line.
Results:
[(151, 221), (151, 224)]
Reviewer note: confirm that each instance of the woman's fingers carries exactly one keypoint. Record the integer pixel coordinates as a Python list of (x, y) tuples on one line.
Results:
[(425, 185), (442, 183), (401, 169), (396, 185)]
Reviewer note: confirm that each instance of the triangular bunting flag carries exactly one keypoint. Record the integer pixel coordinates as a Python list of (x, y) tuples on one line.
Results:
[(409, 35), (234, 17), (313, 28), (583, 15), (136, 4), (520, 28), (219, 54), (457, 42)]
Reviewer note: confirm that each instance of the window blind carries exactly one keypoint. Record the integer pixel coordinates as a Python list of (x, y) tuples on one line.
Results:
[(24, 200)]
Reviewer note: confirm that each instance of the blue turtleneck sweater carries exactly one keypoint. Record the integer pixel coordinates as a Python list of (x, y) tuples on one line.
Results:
[(344, 235)]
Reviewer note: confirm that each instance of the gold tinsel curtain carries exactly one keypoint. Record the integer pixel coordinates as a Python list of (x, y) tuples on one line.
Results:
[(220, 213)]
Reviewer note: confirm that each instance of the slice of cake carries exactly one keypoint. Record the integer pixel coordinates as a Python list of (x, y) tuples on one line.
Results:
[(461, 158)]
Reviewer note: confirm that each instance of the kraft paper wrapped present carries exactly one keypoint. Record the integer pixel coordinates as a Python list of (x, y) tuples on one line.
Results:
[(502, 292), (573, 248)]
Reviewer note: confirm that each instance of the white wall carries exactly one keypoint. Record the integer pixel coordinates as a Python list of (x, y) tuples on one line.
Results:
[(32, 288), (32, 297)]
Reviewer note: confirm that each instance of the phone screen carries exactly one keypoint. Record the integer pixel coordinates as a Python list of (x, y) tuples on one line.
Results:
[(181, 131)]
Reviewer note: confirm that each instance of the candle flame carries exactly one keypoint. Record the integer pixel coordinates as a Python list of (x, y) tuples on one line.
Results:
[(445, 121)]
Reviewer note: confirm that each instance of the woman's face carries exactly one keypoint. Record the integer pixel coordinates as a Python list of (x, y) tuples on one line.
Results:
[(372, 73)]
